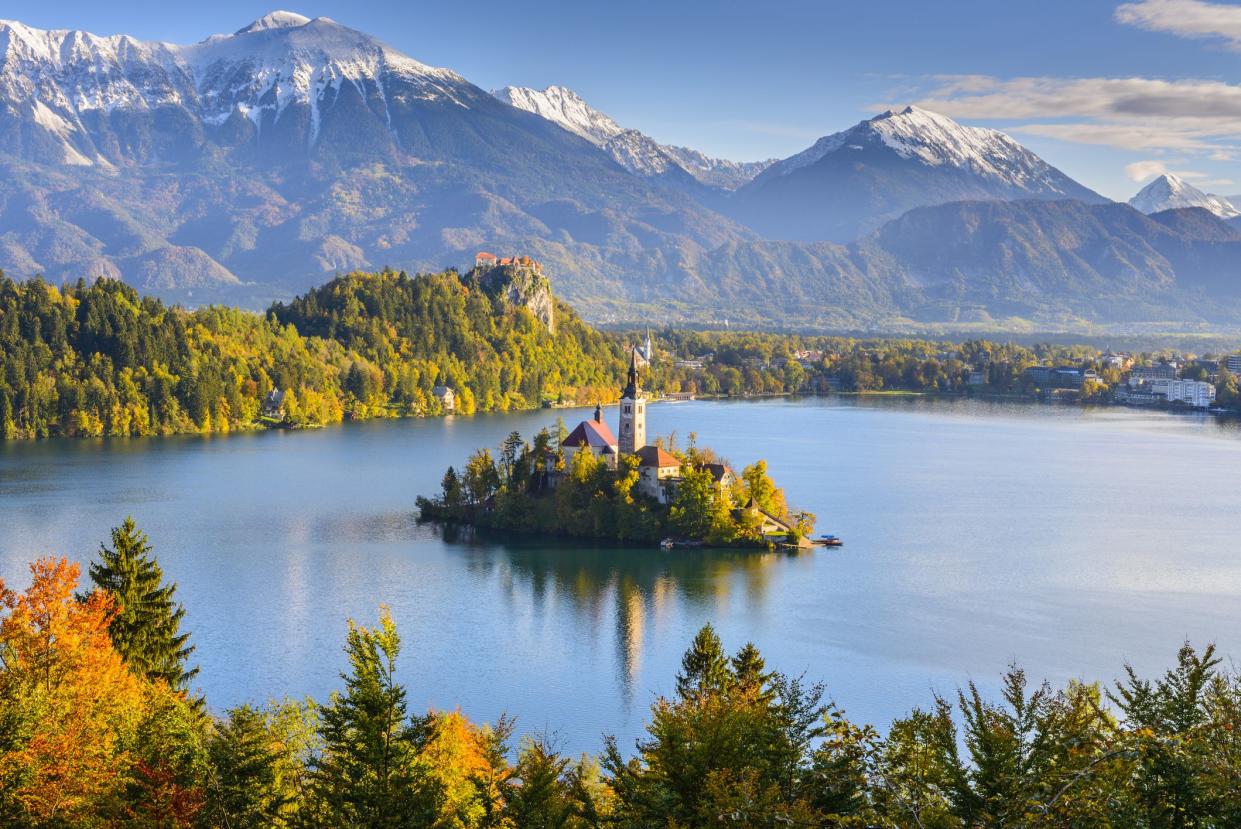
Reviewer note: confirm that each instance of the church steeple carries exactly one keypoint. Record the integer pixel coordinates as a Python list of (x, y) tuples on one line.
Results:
[(632, 435), (631, 389)]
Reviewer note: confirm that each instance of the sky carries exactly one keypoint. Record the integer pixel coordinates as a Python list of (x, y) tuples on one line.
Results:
[(1113, 93)]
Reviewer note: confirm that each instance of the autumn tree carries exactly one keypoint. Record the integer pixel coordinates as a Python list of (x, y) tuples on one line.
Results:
[(69, 707)]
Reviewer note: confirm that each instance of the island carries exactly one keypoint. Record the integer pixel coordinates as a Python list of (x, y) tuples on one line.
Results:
[(589, 483)]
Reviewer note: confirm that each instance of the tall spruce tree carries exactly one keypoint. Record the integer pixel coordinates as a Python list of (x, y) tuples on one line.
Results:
[(368, 774), (147, 630)]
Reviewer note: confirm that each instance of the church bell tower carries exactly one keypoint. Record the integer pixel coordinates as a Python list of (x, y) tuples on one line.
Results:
[(632, 435)]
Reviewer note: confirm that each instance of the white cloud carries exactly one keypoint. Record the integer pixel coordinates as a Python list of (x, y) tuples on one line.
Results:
[(1137, 114), (1186, 18), (1142, 170)]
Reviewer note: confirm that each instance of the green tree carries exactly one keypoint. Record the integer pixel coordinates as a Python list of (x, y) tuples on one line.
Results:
[(691, 512), (367, 774), (246, 789), (147, 630)]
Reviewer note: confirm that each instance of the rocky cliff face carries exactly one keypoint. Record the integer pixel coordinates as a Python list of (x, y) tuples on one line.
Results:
[(523, 286)]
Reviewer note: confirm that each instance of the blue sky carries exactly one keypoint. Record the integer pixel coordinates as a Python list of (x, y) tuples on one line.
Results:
[(1110, 92)]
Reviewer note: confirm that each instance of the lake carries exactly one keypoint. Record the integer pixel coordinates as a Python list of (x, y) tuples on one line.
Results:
[(1069, 540)]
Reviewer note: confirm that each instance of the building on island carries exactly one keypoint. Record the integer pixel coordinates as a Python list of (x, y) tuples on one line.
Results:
[(593, 436), (659, 472), (721, 474), (446, 396), (768, 524), (632, 411)]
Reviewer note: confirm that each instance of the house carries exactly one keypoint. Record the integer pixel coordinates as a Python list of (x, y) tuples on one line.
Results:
[(976, 378), (273, 404), (592, 436), (720, 474), (446, 397), (658, 473), (768, 524), (482, 259)]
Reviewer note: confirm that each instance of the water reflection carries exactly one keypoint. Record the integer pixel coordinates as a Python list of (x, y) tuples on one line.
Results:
[(630, 588)]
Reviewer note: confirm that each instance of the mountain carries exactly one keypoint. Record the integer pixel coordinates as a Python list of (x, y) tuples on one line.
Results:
[(253, 164), (851, 182), (636, 152), (1168, 192)]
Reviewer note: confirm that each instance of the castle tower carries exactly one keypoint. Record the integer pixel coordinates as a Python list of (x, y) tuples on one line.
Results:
[(632, 435)]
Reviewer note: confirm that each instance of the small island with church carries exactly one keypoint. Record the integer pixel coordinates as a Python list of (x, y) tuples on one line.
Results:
[(589, 483)]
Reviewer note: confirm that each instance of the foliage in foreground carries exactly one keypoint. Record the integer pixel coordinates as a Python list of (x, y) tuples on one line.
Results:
[(91, 737)]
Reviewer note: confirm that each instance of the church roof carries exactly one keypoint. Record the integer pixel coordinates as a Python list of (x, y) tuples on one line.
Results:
[(592, 433), (654, 456)]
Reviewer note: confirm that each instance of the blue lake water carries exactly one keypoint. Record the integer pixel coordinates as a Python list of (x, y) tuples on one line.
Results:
[(1071, 540)]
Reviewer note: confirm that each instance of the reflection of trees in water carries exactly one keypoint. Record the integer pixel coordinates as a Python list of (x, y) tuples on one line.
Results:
[(636, 585)]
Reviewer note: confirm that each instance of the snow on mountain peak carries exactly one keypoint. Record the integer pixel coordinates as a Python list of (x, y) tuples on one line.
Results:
[(1169, 191), (937, 141), (633, 150), (275, 20), (565, 107)]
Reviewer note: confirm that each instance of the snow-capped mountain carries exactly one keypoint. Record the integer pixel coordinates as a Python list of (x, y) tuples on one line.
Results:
[(849, 182), (636, 152), (297, 147), (77, 98), (1169, 192)]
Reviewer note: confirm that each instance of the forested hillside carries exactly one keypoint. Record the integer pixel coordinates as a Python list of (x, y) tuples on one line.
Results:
[(98, 359)]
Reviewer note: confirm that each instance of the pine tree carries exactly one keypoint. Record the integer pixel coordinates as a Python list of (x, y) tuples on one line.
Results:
[(368, 772), (245, 783), (704, 667), (147, 630)]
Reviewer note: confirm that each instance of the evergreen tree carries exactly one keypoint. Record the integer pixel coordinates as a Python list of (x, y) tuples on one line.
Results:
[(245, 788), (147, 628), (368, 773), (704, 667)]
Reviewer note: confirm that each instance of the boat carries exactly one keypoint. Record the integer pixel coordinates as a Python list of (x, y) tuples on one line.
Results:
[(672, 544), (829, 541)]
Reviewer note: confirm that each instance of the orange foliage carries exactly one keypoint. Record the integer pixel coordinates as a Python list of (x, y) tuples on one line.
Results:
[(75, 704)]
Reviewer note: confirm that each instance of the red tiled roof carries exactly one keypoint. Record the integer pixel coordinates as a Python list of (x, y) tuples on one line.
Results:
[(591, 433), (654, 456)]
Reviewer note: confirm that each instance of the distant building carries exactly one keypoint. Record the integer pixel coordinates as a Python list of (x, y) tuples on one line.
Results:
[(632, 411), (482, 259), (976, 378), (446, 397), (273, 404), (1038, 375), (721, 474), (1194, 393), (768, 524), (658, 473), (1233, 363), (1146, 374), (592, 436)]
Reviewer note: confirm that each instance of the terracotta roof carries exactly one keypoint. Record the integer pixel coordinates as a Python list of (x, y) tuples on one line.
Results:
[(484, 255), (654, 456), (591, 433)]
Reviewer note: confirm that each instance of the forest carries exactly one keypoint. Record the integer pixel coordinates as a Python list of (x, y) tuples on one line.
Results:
[(101, 726), (547, 488), (97, 359)]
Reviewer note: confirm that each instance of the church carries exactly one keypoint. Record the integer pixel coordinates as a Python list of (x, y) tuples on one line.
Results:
[(659, 471)]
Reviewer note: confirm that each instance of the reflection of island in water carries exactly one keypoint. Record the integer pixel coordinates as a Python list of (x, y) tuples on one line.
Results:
[(638, 583)]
